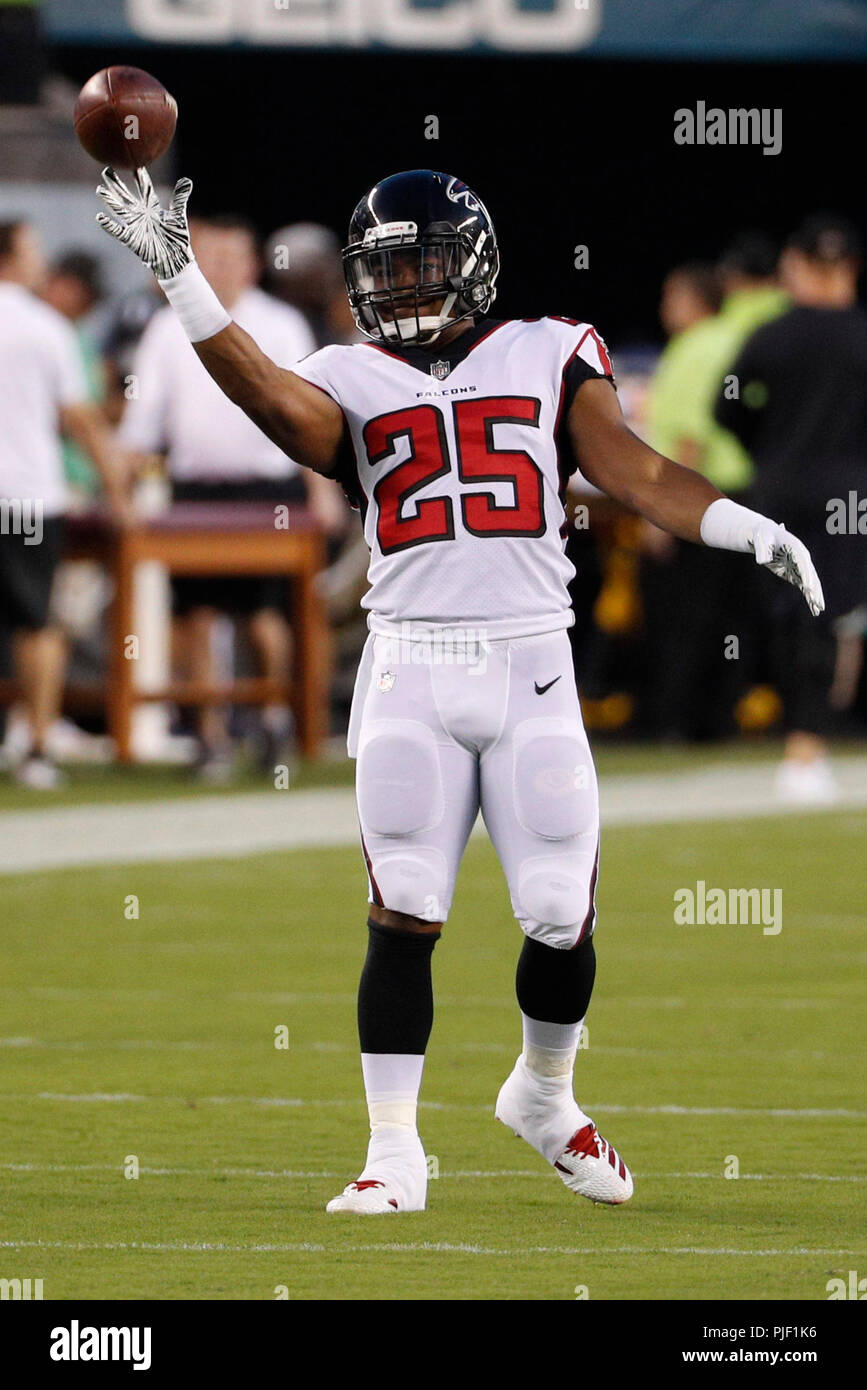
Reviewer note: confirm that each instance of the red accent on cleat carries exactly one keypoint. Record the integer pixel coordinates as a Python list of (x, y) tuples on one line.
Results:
[(372, 1182), (584, 1142)]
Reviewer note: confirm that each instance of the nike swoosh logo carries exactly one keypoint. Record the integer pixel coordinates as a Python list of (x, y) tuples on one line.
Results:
[(540, 689)]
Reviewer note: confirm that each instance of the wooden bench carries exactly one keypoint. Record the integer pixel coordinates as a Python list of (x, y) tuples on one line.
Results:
[(214, 538)]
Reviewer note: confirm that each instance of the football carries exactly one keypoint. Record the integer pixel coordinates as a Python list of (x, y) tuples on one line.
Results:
[(125, 117)]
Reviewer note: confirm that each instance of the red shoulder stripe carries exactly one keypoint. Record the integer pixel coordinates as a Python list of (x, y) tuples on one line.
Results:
[(600, 348)]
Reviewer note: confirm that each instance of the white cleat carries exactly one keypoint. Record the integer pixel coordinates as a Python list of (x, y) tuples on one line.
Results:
[(543, 1111), (394, 1177), (368, 1198), (589, 1166)]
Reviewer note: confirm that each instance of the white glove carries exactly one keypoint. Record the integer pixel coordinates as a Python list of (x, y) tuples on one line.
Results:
[(158, 237), (161, 239), (728, 526)]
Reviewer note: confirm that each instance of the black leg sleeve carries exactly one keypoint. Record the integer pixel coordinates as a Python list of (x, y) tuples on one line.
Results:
[(395, 996), (555, 986)]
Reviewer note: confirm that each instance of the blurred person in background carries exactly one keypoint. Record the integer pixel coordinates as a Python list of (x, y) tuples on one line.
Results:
[(691, 296), (125, 320), (22, 61), (216, 454), (303, 267), (74, 288), (697, 675), (82, 591), (43, 397), (801, 411)]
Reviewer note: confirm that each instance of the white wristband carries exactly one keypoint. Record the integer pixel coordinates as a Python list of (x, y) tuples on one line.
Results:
[(198, 308), (726, 525)]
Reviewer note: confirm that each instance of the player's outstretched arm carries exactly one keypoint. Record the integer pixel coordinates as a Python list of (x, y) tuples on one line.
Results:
[(304, 422), (301, 420), (678, 499)]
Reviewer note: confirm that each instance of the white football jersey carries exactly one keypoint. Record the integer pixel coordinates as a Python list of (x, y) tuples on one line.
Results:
[(461, 459)]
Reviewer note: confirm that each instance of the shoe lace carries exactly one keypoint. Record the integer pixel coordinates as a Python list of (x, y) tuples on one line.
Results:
[(586, 1143)]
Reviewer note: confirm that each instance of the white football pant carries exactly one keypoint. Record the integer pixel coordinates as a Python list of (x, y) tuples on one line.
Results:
[(443, 728)]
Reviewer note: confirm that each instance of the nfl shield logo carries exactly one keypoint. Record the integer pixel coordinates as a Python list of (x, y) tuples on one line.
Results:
[(440, 370), (386, 681)]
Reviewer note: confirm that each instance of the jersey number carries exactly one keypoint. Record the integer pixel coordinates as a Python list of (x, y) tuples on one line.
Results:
[(478, 461)]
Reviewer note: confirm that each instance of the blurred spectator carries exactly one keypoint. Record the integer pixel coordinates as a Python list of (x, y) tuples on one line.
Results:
[(801, 410), (43, 394), (691, 297), (22, 61), (303, 267), (675, 645), (82, 590), (742, 295), (74, 288), (690, 293), (695, 599), (216, 454), (752, 296), (126, 319)]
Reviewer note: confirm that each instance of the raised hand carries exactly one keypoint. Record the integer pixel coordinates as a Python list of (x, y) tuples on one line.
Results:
[(160, 237)]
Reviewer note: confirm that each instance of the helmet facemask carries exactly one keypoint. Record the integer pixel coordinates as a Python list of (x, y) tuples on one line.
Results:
[(406, 289)]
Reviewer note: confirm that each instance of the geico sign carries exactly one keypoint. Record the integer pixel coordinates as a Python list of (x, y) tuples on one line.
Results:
[(356, 23)]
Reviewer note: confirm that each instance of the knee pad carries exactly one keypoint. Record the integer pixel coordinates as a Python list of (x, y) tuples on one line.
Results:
[(555, 897), (554, 779), (415, 881), (400, 789)]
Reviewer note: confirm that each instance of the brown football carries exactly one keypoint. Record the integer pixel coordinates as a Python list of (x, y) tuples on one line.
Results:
[(125, 117)]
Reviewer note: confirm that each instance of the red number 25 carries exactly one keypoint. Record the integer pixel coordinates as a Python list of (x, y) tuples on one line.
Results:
[(478, 461)]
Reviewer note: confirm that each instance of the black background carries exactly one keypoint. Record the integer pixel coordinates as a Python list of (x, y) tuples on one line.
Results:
[(224, 1342), (564, 152)]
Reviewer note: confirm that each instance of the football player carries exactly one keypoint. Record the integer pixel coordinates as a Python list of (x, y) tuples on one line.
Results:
[(455, 434)]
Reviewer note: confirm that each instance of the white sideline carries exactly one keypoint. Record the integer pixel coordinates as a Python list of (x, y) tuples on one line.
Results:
[(215, 827)]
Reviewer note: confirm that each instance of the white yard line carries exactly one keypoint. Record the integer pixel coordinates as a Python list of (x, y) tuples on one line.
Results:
[(351, 1050), (457, 1176), (339, 1102), (214, 827), (466, 1001), (440, 1247)]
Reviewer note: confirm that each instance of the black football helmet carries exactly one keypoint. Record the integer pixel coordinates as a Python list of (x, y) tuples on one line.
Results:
[(422, 254)]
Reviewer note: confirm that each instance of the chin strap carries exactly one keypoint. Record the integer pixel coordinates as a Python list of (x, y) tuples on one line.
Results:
[(409, 330)]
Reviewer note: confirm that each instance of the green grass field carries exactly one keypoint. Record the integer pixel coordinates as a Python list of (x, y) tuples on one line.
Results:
[(171, 1019)]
